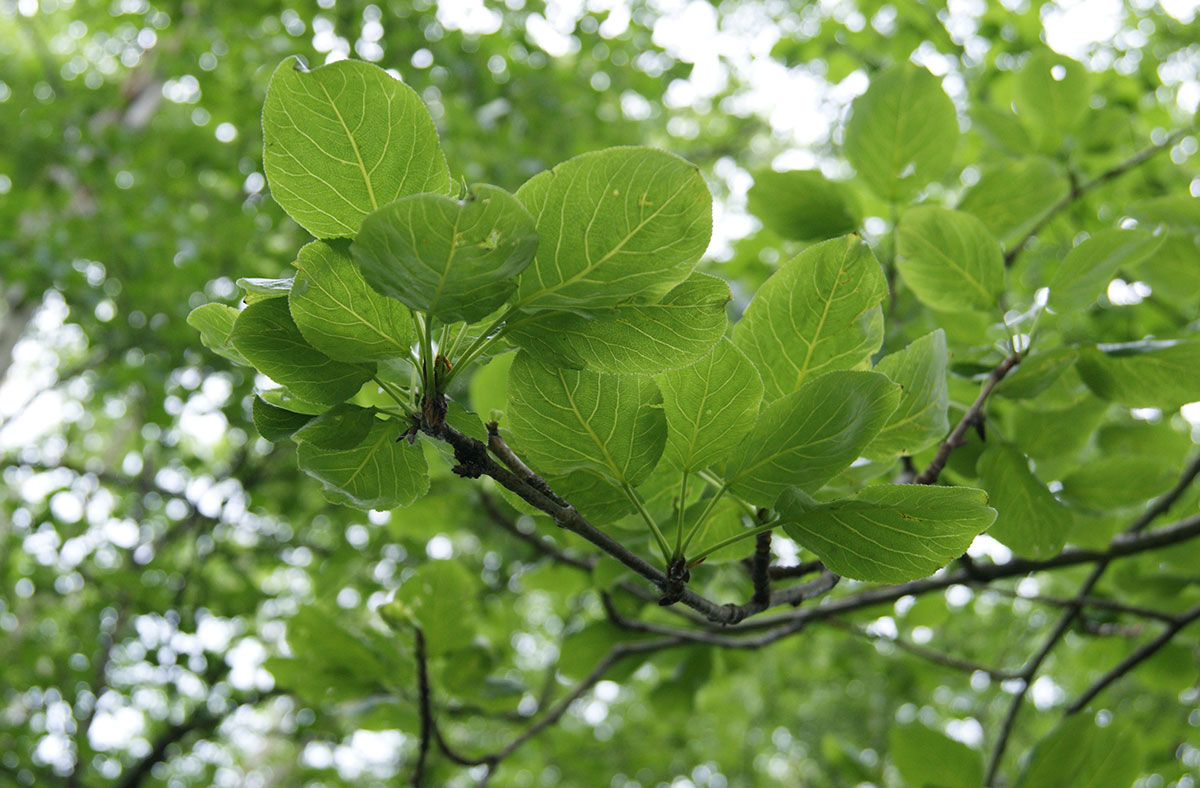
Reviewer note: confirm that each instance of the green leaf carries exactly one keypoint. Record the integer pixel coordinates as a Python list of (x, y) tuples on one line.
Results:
[(1108, 483), (1080, 755), (639, 338), (709, 407), (257, 289), (617, 225), (454, 260), (1091, 265), (276, 424), (488, 390), (727, 520), (902, 132), (1174, 271), (1010, 197), (342, 427), (215, 324), (441, 598), (1177, 211), (810, 436), (1147, 374), (282, 398), (1051, 96), (1036, 373), (889, 533), (949, 260), (920, 420), (927, 758), (564, 419), (343, 139), (339, 315), (1029, 519), (803, 205), (266, 335), (379, 473), (818, 312)]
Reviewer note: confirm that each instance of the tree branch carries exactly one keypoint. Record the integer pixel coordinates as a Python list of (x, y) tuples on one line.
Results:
[(972, 417), (423, 706)]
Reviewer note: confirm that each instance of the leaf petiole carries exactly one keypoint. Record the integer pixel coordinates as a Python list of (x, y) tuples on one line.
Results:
[(755, 531), (636, 499)]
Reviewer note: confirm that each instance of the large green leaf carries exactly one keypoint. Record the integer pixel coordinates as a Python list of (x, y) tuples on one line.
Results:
[(455, 260), (343, 139), (890, 533), (1029, 519), (927, 758), (709, 406), (1078, 754), (902, 132), (379, 473), (339, 314), (818, 312), (1090, 266), (440, 597), (1051, 95), (617, 225), (803, 205), (810, 436), (266, 335), (1010, 197), (1037, 372), (563, 419), (215, 324), (920, 420), (1148, 374), (949, 260), (641, 338)]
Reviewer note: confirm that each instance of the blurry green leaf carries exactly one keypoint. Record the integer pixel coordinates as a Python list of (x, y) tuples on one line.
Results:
[(1147, 374), (1051, 96), (890, 533), (454, 260), (276, 424), (342, 317), (1173, 272), (1036, 373), (808, 437), (488, 389), (565, 419), (902, 132), (1177, 211), (709, 407), (265, 334), (638, 338), (1029, 520), (617, 225), (920, 420), (344, 139), (818, 312), (803, 205), (1080, 755), (1091, 265), (1118, 481), (927, 758), (379, 473), (442, 598), (949, 260), (1012, 196)]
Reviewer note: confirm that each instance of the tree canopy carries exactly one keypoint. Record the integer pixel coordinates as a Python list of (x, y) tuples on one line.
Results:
[(607, 393)]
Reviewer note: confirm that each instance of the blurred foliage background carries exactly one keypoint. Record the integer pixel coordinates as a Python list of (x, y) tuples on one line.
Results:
[(179, 606)]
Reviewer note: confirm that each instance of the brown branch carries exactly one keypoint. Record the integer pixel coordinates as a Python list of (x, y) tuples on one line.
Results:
[(1098, 603), (1078, 191), (1133, 660), (797, 571), (545, 546), (971, 418), (423, 706), (514, 463)]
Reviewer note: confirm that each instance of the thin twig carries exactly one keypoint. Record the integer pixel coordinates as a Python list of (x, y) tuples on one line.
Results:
[(514, 463), (1098, 603), (426, 712), (972, 417)]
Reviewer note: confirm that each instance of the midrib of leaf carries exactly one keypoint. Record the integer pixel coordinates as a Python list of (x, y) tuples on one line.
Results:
[(370, 455), (824, 315), (353, 146), (950, 261), (588, 427), (441, 285), (593, 266)]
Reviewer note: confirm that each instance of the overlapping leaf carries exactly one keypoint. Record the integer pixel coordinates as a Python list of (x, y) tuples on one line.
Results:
[(1029, 519), (1079, 754), (379, 473), (266, 335), (949, 260), (890, 533), (276, 424), (339, 314), (920, 420), (343, 139), (215, 324), (709, 407), (576, 418), (1090, 266), (455, 260), (902, 132), (617, 225), (1148, 374), (1010, 197), (803, 205), (818, 312), (638, 338), (810, 436)]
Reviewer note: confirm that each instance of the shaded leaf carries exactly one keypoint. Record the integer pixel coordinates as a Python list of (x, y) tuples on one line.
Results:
[(1010, 197), (1036, 373), (441, 598), (379, 473), (920, 419), (1078, 754), (803, 205), (1147, 374), (276, 424), (927, 758), (949, 260), (1090, 266), (1029, 520)]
